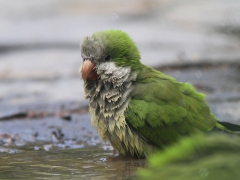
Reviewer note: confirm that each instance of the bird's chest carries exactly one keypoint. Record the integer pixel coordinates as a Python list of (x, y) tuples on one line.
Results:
[(107, 106), (109, 97)]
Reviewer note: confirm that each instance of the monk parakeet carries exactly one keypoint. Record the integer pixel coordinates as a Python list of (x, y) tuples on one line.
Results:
[(137, 108)]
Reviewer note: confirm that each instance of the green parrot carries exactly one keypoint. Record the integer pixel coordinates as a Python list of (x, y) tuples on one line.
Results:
[(135, 107)]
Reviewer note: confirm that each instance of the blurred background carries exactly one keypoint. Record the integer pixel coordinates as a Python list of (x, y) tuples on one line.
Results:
[(39, 40)]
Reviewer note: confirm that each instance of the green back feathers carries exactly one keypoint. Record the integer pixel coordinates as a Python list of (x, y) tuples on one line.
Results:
[(120, 47), (163, 109)]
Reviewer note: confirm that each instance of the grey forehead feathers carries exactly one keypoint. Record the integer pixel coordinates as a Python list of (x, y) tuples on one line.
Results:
[(92, 48)]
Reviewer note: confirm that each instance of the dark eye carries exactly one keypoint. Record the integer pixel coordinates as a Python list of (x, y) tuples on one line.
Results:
[(107, 58)]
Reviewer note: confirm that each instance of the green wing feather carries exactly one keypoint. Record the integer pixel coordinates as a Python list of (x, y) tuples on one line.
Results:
[(163, 109)]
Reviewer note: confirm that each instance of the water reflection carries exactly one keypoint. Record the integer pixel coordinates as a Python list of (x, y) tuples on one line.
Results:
[(56, 163)]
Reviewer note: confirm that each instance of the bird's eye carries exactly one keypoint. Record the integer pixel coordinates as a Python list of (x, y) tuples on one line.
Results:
[(107, 58)]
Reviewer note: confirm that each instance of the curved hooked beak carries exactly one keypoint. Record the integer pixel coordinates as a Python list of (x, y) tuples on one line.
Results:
[(88, 71)]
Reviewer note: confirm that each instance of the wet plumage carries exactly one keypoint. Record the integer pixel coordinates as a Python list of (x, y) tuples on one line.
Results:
[(137, 108)]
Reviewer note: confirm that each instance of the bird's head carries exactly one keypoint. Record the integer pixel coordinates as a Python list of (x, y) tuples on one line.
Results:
[(110, 46)]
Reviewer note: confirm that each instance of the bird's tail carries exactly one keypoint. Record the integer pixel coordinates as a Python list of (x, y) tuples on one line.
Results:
[(229, 127)]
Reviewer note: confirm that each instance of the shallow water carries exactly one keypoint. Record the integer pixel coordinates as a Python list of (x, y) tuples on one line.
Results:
[(43, 161)]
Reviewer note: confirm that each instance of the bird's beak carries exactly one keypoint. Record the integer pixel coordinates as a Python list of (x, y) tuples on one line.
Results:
[(88, 71)]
